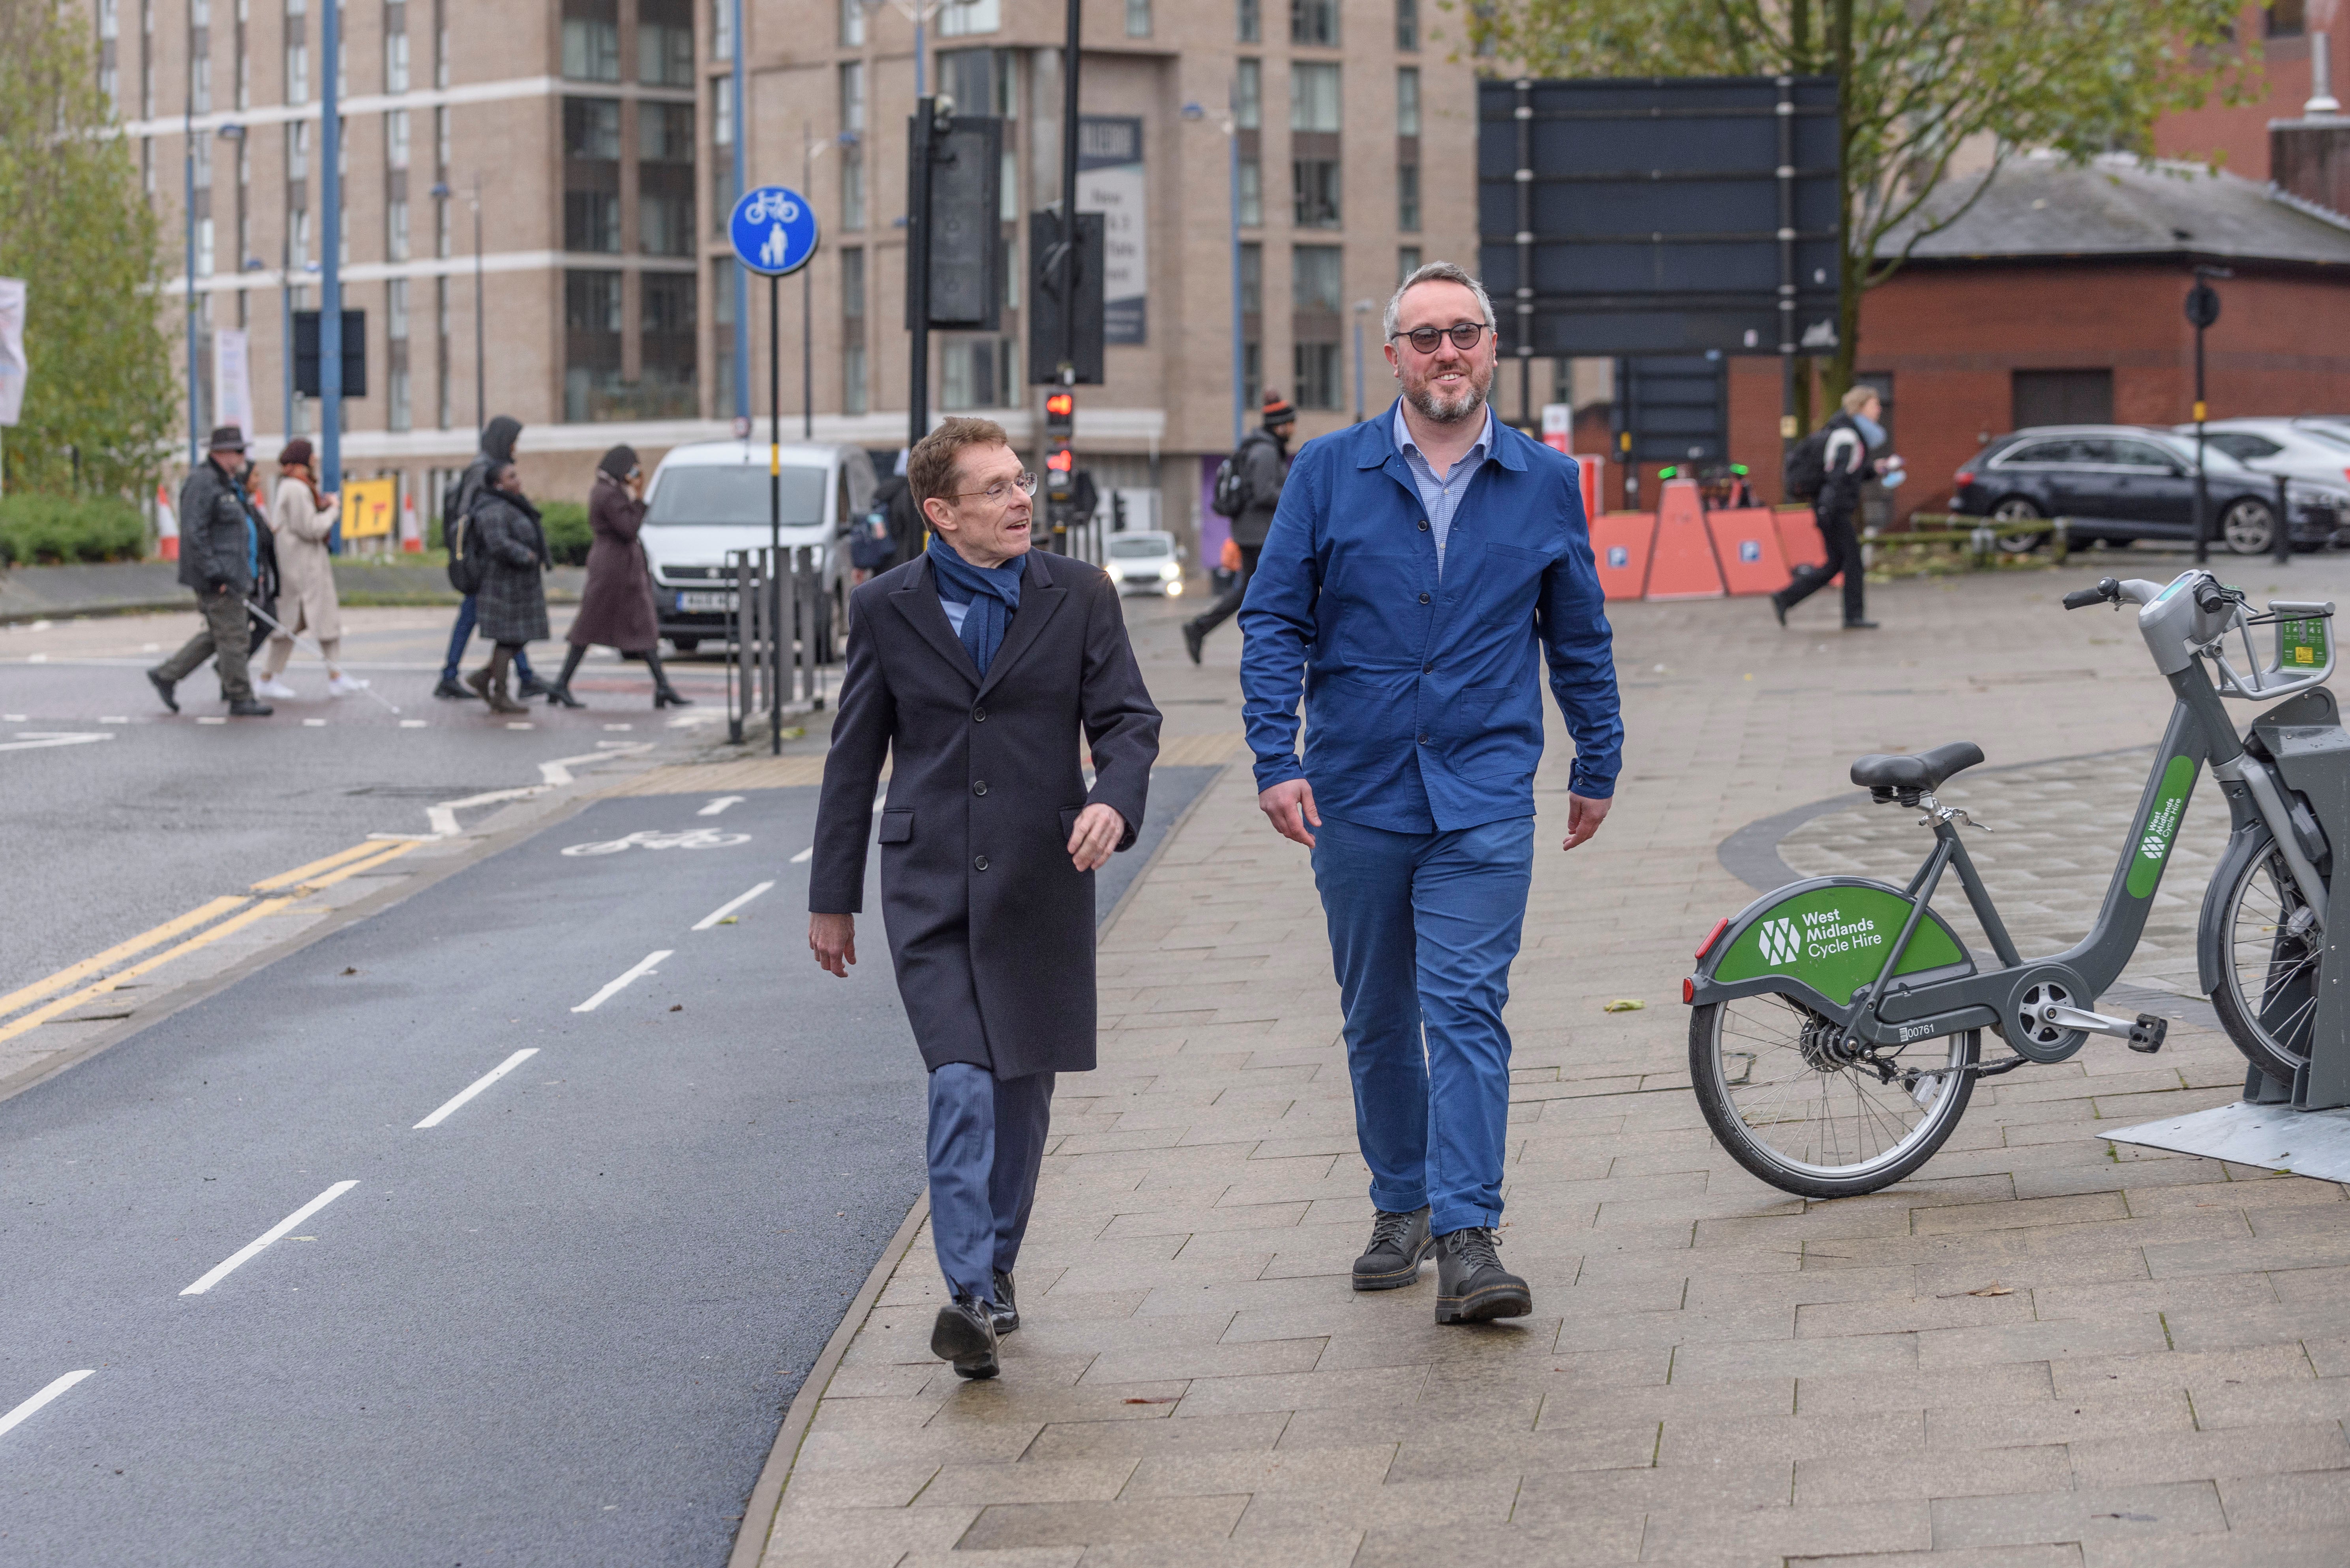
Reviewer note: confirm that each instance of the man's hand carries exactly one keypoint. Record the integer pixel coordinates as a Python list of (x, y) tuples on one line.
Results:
[(833, 939), (1290, 805), (1094, 837), (1583, 816)]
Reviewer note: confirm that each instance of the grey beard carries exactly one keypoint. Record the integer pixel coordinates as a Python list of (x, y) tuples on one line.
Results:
[(1452, 413)]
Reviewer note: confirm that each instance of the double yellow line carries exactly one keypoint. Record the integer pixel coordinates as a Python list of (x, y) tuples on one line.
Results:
[(206, 920)]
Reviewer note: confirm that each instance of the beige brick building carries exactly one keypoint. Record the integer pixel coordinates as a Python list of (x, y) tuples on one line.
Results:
[(600, 136)]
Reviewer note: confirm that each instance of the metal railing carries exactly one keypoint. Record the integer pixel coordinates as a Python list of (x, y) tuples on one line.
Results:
[(779, 636)]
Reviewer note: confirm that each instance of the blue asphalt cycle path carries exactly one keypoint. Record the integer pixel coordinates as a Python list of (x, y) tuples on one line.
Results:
[(558, 1328)]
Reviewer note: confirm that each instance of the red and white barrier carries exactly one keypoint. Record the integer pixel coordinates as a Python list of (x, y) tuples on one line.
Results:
[(167, 525)]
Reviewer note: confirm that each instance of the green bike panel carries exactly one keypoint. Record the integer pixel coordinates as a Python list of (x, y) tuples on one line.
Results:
[(2162, 827), (2301, 645), (1834, 941)]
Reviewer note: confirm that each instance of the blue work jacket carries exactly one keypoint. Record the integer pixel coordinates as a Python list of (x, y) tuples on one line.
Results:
[(1422, 690)]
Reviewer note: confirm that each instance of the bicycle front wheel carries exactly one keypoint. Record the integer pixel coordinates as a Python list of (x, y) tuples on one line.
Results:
[(2270, 952), (1792, 1109)]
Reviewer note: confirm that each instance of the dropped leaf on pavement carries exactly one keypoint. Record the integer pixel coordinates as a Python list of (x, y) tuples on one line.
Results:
[(677, 1007), (728, 920), (1624, 1004), (350, 972)]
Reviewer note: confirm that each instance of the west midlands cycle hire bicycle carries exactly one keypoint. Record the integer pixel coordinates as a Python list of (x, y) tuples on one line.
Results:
[(1837, 1024)]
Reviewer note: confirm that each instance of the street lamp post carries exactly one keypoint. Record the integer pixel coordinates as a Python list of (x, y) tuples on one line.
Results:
[(188, 136), (2202, 310), (330, 261), (1233, 181), (1362, 308)]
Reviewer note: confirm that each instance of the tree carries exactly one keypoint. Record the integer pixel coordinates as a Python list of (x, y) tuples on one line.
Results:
[(1918, 81), (76, 227)]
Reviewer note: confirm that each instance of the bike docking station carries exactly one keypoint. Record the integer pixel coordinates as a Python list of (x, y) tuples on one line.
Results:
[(1835, 1028)]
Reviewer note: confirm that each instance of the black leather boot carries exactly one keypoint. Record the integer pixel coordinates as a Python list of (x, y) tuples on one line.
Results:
[(664, 694), (560, 694), (1004, 1310), (964, 1336), (1399, 1243), (1471, 1286)]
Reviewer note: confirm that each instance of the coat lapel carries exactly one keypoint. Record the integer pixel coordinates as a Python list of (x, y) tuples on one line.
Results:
[(918, 601), (1039, 600)]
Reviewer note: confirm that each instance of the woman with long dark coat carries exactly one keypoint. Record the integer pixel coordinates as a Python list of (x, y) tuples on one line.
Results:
[(511, 603), (616, 609)]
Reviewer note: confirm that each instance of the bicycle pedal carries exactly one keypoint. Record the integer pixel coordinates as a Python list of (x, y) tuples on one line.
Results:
[(2145, 1035)]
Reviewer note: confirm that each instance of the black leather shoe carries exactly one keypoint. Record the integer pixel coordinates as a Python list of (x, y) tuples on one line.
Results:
[(1779, 608), (1192, 637), (669, 697), (964, 1336), (250, 710), (451, 689), (163, 689), (561, 697), (1004, 1310), (1399, 1243), (532, 686), (1471, 1286), (1860, 625)]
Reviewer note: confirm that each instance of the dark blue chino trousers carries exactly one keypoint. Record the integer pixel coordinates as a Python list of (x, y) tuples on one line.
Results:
[(986, 1146), (1423, 928)]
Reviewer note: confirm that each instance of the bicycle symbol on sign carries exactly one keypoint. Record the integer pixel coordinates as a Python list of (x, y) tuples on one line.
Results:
[(693, 838), (775, 205)]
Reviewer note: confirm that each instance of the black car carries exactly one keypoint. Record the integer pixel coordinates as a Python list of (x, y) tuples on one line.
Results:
[(2124, 482)]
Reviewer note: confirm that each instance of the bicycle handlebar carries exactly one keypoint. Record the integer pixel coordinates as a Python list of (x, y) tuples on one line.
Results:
[(2108, 590)]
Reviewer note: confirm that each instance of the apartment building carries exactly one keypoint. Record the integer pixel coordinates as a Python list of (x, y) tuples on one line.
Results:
[(593, 143)]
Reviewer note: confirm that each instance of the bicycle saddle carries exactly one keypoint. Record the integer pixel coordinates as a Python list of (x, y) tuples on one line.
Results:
[(1918, 771)]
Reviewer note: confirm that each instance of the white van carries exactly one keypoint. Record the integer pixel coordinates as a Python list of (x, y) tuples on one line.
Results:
[(709, 497)]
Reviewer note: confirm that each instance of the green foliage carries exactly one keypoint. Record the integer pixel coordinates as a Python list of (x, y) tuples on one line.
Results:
[(50, 528), (75, 226), (1920, 82), (568, 534)]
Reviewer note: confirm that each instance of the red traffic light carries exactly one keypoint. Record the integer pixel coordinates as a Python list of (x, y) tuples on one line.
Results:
[(1061, 462), (1061, 405)]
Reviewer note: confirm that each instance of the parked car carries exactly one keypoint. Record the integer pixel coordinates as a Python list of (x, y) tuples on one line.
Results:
[(2304, 450), (709, 497), (2121, 483), (1144, 561)]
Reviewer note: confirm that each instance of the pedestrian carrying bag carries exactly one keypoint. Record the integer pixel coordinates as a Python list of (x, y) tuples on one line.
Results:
[(1806, 467), (466, 566), (1232, 494)]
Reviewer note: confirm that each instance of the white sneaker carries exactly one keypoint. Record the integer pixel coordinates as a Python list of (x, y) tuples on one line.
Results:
[(270, 686), (343, 685)]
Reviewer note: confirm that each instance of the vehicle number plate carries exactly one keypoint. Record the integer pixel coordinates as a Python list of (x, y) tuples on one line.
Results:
[(720, 601), (2301, 644)]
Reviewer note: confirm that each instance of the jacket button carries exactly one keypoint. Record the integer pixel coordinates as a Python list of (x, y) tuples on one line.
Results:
[(1427, 670), (1424, 598), (1423, 524), (1423, 740), (978, 715), (980, 864), (980, 787)]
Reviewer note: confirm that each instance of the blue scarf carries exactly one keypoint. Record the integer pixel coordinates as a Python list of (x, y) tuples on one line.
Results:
[(991, 592)]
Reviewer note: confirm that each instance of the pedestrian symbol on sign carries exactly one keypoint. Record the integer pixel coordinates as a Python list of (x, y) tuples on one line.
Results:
[(1618, 557), (773, 231), (1749, 550)]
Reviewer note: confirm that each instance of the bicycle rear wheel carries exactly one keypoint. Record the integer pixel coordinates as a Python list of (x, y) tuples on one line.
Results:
[(1789, 1107), (2269, 953)]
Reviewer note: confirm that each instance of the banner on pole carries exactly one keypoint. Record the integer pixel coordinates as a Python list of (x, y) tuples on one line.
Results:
[(1110, 182), (12, 368), (233, 379)]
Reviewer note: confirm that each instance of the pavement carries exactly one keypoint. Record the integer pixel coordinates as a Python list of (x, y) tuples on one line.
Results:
[(114, 587)]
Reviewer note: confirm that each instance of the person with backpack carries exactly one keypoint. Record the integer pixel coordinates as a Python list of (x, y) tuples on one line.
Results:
[(1827, 469), (507, 550), (1248, 490), (498, 438)]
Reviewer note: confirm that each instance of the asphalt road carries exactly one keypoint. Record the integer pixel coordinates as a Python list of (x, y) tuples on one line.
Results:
[(558, 1327)]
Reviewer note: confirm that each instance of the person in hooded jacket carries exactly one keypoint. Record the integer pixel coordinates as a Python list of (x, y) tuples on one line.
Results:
[(512, 602), (615, 608), (498, 438)]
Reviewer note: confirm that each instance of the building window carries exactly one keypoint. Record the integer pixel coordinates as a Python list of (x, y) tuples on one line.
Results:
[(2061, 398), (591, 174), (395, 49), (297, 73), (1407, 197), (1408, 101), (1138, 19), (1317, 280), (1252, 25), (1407, 261), (203, 247), (979, 80), (444, 408), (665, 179), (591, 324), (1314, 97), (395, 229), (665, 43), (1314, 191), (852, 153), (2286, 18), (1252, 278), (967, 19), (977, 373), (722, 159), (1408, 25), (591, 40), (1314, 22), (722, 27), (399, 411), (722, 337), (669, 332), (1317, 375), (1251, 194), (852, 24), (1251, 374), (855, 395), (1248, 95), (395, 140)]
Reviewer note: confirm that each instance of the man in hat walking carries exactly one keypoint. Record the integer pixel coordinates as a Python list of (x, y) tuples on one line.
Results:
[(1264, 462), (220, 551)]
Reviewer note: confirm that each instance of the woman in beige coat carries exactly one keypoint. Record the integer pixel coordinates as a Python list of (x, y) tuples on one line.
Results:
[(301, 519)]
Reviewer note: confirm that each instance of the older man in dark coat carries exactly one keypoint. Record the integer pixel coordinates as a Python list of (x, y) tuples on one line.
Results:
[(977, 667), (220, 542)]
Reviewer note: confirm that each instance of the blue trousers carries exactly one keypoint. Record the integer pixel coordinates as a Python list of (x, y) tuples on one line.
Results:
[(987, 1144), (462, 633), (1423, 926)]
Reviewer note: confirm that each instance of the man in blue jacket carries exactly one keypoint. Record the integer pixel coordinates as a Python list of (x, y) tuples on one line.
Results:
[(1419, 566)]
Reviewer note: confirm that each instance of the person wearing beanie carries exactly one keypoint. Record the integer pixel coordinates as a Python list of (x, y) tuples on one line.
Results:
[(615, 608), (1264, 464)]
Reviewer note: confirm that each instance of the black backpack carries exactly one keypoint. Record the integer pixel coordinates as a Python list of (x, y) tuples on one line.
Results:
[(468, 567), (1805, 469), (1231, 495)]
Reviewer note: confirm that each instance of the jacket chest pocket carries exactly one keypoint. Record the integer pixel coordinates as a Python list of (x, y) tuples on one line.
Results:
[(1382, 609)]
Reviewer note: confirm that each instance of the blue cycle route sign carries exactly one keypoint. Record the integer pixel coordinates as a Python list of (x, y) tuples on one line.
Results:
[(773, 230)]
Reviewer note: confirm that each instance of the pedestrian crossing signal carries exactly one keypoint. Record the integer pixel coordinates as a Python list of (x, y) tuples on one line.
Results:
[(1060, 416)]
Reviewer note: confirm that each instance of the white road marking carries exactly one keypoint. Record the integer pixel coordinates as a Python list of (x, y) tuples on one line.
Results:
[(36, 740), (115, 719), (443, 816), (310, 724), (211, 720), (12, 718), (556, 774), (13, 1417), (804, 856), (476, 1086), (719, 805), (412, 724), (520, 724), (728, 908), (247, 1254), (620, 726), (643, 969)]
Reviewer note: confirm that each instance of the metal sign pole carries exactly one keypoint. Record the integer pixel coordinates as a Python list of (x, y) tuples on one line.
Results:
[(775, 485)]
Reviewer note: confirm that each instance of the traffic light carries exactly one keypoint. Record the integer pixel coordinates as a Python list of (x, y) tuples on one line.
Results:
[(1046, 281), (966, 277), (1060, 470), (1060, 416)]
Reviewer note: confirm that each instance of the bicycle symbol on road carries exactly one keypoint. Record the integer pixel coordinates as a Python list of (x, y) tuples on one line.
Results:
[(691, 838)]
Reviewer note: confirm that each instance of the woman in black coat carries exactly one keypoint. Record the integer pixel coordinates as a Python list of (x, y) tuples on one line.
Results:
[(511, 603), (616, 609)]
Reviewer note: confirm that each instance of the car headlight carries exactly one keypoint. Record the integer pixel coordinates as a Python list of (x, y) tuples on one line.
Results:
[(1169, 571)]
